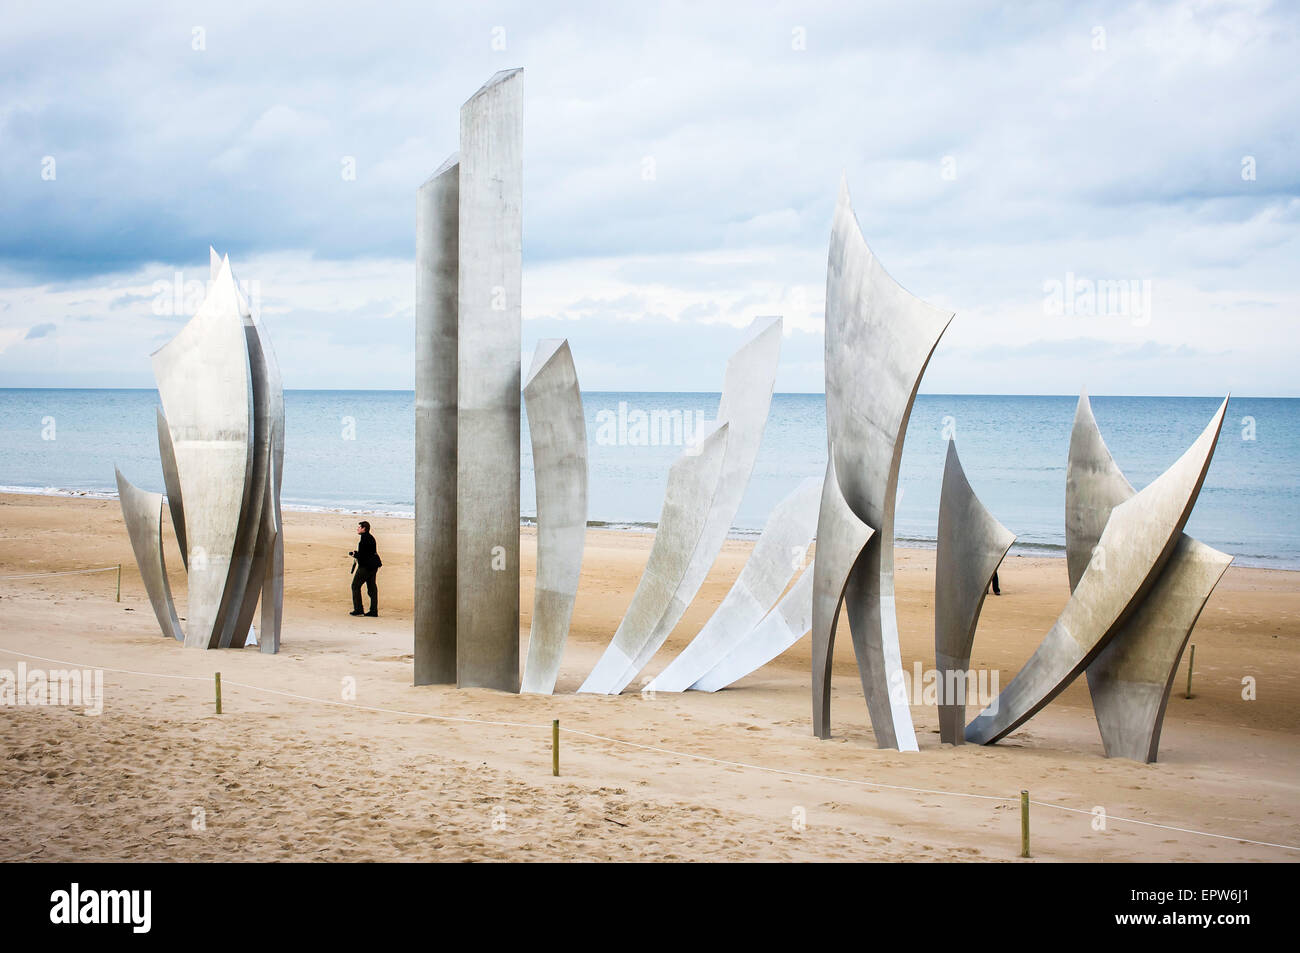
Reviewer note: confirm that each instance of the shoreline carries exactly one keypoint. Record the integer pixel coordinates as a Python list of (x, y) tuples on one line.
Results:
[(1032, 550)]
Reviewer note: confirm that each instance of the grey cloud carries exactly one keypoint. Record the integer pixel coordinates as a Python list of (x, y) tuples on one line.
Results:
[(161, 148), (1124, 162)]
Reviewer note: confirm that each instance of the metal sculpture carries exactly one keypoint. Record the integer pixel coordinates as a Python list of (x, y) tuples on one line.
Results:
[(251, 543), (1131, 678), (206, 389), (142, 513), (879, 339), (264, 583), (172, 482), (469, 241), (221, 444), (273, 578), (487, 384), (558, 433), (746, 398), (841, 539), (437, 253), (777, 631), (1140, 536), (781, 551), (692, 477), (970, 547)]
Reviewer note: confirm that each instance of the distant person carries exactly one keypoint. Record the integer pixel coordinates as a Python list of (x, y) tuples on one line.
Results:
[(993, 582), (367, 564)]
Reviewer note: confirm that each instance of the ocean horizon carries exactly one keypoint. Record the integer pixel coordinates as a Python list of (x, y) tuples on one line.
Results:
[(353, 451)]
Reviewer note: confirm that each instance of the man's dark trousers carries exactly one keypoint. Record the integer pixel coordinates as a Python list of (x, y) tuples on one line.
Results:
[(366, 577)]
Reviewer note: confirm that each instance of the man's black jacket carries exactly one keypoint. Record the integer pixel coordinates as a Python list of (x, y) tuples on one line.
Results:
[(367, 554)]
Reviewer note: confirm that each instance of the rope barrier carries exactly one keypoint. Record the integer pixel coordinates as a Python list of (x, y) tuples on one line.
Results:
[(665, 751), (73, 572), (67, 572)]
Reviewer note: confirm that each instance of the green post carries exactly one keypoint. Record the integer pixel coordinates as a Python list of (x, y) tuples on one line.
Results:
[(119, 582), (218, 693), (1191, 660), (555, 747), (1024, 823)]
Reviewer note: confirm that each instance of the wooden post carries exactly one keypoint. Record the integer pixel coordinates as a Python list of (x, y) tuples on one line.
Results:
[(1024, 823), (1191, 660), (119, 582), (218, 693), (555, 747)]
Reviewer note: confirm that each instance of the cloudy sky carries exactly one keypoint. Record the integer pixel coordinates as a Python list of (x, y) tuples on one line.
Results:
[(681, 165)]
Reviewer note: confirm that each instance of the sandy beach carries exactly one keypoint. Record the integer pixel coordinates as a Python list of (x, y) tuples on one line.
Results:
[(294, 770)]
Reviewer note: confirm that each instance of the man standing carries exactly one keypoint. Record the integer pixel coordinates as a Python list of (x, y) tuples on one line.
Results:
[(367, 564)]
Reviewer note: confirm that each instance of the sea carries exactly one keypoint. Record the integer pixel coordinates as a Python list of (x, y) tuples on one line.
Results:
[(353, 452)]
